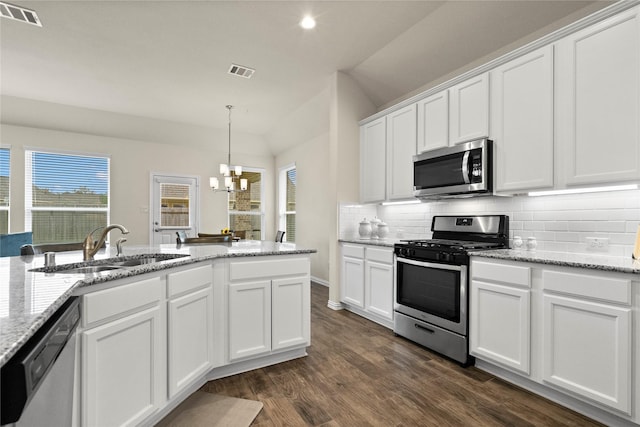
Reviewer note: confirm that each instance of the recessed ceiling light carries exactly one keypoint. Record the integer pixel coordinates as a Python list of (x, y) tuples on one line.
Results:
[(308, 22)]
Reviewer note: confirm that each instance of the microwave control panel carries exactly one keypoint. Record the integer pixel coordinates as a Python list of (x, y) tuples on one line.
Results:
[(476, 166)]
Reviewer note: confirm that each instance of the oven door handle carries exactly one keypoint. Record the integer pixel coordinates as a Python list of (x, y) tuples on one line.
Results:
[(430, 264)]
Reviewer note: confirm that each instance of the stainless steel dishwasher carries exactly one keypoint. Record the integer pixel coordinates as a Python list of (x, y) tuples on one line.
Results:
[(37, 382)]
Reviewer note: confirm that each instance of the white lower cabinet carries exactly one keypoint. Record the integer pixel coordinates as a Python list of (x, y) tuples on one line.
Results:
[(270, 314), (571, 332), (249, 319), (146, 344), (499, 314), (123, 362), (367, 282), (190, 326), (290, 315), (587, 342), (353, 280)]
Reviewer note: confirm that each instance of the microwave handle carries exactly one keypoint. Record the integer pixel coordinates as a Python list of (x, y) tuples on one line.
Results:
[(465, 168)]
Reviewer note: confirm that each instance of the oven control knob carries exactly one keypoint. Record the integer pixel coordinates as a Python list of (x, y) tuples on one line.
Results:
[(444, 256)]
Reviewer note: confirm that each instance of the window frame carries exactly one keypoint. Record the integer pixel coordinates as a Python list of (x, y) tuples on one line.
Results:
[(282, 198), (28, 181), (8, 207), (262, 212)]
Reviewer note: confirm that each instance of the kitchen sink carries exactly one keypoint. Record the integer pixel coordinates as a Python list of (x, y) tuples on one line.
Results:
[(89, 269), (138, 261), (101, 265)]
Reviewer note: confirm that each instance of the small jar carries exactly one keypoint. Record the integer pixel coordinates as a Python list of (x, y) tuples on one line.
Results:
[(364, 229), (532, 244), (383, 230), (517, 242)]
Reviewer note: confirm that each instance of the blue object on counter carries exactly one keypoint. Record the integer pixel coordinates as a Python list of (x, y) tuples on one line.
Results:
[(10, 243)]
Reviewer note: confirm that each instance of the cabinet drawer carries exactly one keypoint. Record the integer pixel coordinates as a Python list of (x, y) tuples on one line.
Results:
[(189, 280), (260, 269), (380, 255), (510, 274), (353, 251), (612, 289), (114, 302)]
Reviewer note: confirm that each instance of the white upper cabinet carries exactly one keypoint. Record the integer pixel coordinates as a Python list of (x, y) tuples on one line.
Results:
[(469, 110), (401, 147), (598, 100), (522, 122), (433, 122), (373, 152)]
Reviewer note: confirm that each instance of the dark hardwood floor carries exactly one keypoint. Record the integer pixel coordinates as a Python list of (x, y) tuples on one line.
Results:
[(358, 373)]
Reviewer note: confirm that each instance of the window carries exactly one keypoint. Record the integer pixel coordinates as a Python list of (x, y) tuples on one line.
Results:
[(174, 200), (287, 202), (246, 210), (4, 189), (66, 195)]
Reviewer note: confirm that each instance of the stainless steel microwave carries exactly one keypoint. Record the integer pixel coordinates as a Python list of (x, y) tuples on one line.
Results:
[(463, 170)]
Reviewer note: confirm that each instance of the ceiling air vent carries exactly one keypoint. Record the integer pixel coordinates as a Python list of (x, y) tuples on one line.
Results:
[(241, 70), (18, 13)]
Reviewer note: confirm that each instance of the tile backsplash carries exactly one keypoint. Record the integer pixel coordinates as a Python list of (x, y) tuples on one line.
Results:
[(559, 223)]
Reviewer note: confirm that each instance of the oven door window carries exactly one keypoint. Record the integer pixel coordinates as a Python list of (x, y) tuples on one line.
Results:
[(430, 290)]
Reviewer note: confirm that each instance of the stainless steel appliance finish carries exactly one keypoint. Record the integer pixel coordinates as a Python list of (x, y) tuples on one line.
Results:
[(37, 382), (432, 296), (464, 170)]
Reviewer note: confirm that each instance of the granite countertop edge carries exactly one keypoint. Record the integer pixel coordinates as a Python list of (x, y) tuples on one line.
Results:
[(616, 264), (12, 340), (371, 242)]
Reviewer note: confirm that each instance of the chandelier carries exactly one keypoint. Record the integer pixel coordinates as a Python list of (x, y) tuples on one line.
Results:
[(231, 174)]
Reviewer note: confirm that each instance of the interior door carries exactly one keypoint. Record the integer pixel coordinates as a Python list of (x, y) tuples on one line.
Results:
[(175, 207)]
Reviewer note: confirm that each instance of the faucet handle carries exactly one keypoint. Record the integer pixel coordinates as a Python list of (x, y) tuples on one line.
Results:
[(119, 246)]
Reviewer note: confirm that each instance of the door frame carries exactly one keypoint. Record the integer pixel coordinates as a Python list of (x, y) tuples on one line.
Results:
[(152, 176)]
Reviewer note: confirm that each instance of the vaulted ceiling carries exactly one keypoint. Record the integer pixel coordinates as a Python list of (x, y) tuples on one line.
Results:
[(168, 60)]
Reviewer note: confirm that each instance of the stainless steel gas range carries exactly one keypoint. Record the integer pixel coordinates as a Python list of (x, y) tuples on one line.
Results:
[(432, 298)]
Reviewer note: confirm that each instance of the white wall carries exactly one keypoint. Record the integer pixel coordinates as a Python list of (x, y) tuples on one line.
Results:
[(132, 161), (559, 223), (312, 199), (348, 106)]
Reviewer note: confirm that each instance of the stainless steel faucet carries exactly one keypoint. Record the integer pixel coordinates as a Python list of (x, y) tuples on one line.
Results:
[(89, 248)]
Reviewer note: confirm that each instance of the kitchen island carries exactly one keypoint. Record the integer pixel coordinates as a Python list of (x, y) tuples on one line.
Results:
[(192, 314)]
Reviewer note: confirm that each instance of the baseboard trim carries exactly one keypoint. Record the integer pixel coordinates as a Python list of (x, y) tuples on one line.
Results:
[(335, 305), (250, 365), (320, 281)]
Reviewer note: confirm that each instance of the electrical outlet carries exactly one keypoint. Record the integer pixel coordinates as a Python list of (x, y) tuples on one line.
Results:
[(598, 243)]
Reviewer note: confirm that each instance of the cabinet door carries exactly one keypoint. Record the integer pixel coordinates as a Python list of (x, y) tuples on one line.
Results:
[(588, 350), (401, 147), (290, 302), (522, 121), (500, 325), (123, 370), (373, 152), (379, 289), (433, 122), (599, 101), (190, 338), (353, 281), (469, 110), (249, 319)]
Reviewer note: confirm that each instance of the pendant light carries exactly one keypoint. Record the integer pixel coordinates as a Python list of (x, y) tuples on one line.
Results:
[(229, 173)]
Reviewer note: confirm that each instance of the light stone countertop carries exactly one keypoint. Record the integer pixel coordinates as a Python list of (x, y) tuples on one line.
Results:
[(569, 259), (28, 299), (371, 242)]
